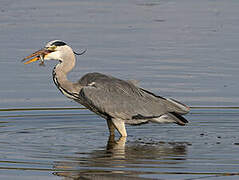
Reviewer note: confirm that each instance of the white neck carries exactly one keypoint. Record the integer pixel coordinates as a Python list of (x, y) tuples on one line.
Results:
[(60, 77), (60, 73)]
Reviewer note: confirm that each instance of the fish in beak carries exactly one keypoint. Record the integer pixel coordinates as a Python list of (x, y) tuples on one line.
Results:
[(38, 55)]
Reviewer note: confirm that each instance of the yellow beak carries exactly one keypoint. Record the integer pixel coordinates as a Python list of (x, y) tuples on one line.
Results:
[(36, 56)]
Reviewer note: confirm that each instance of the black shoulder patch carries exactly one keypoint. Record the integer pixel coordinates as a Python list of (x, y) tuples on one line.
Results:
[(58, 43)]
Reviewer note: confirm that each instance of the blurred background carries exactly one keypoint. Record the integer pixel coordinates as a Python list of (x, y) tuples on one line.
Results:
[(187, 50)]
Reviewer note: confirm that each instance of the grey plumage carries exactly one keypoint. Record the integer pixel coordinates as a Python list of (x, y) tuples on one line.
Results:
[(119, 102), (112, 97)]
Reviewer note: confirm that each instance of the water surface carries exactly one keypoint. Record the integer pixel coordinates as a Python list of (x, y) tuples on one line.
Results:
[(74, 143), (187, 50), (183, 49)]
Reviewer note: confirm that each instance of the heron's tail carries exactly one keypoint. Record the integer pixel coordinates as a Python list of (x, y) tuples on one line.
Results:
[(170, 117), (175, 106)]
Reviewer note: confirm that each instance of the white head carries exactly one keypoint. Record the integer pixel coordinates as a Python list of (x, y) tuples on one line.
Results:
[(58, 50), (54, 50)]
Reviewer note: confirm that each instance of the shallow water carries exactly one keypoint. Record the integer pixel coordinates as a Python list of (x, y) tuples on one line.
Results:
[(183, 49), (73, 143)]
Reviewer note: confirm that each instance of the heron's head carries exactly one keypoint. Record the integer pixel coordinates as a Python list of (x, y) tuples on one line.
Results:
[(54, 50)]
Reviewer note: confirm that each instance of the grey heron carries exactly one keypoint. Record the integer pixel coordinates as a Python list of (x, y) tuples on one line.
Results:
[(120, 102)]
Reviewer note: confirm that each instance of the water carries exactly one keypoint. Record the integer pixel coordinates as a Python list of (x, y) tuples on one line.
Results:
[(184, 49), (74, 143)]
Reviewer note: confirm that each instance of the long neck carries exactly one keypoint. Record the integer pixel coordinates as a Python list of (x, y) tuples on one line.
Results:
[(59, 73)]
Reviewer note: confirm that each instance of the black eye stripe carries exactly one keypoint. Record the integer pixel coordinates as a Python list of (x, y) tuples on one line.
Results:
[(58, 43)]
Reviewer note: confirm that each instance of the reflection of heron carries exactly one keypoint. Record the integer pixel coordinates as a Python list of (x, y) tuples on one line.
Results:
[(123, 161), (116, 100)]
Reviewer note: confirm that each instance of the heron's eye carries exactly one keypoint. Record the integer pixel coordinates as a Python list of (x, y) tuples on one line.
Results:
[(52, 48)]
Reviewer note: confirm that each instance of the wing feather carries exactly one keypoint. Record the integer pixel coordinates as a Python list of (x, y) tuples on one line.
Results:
[(117, 98)]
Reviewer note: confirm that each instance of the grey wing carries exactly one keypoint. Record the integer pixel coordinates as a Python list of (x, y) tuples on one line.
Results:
[(116, 98)]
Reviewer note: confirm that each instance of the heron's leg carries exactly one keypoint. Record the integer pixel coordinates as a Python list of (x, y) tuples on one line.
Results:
[(120, 126), (111, 127)]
